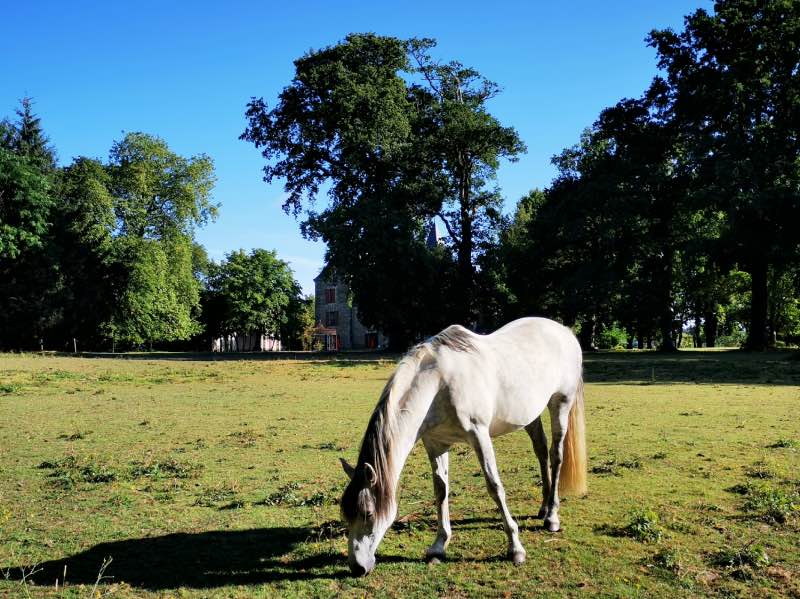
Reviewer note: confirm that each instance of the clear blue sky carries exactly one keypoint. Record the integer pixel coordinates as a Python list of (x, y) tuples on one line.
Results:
[(185, 70)]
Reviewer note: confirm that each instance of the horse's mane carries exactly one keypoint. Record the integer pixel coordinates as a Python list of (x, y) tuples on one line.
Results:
[(376, 448)]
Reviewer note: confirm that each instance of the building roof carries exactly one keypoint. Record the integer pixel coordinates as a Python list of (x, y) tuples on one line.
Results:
[(432, 239)]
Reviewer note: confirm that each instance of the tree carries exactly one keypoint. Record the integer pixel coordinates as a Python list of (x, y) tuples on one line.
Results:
[(386, 147), (732, 85), (159, 194), (159, 200), (25, 205), (652, 184), (467, 143), (30, 140), (82, 244), (156, 298), (28, 281), (257, 293), (298, 331), (508, 285), (94, 250)]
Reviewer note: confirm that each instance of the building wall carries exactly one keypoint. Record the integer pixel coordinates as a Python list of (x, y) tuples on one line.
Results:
[(350, 329)]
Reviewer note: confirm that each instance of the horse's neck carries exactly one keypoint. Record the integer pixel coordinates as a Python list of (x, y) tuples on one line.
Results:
[(410, 417)]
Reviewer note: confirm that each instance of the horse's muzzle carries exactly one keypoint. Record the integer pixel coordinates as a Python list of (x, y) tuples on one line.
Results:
[(358, 570)]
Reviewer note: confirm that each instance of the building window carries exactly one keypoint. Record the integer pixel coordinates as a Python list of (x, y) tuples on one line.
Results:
[(331, 318), (330, 295)]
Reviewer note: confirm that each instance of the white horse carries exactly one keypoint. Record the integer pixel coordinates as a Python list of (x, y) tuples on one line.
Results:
[(460, 386)]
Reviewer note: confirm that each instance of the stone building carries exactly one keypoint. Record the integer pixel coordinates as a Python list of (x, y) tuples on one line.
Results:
[(338, 325)]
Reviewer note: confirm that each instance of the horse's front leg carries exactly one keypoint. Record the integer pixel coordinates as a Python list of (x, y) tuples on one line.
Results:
[(481, 442), (439, 458)]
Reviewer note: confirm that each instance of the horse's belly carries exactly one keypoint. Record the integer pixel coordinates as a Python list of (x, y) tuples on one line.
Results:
[(501, 427), (446, 435)]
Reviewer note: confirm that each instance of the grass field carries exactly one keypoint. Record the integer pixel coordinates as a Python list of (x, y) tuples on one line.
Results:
[(212, 478)]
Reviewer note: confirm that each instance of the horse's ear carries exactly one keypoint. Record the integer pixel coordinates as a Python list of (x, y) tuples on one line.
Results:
[(348, 469), (372, 476)]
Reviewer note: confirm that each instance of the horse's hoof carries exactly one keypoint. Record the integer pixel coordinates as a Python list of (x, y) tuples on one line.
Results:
[(434, 559), (552, 525), (518, 557)]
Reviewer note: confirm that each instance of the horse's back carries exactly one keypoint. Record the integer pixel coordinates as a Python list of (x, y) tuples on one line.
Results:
[(537, 340), (506, 378)]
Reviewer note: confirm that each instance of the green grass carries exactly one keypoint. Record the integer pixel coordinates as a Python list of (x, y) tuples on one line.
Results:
[(220, 478)]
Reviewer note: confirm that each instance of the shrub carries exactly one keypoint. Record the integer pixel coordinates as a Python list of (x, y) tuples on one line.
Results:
[(785, 444), (211, 497), (668, 559), (284, 495), (770, 504), (644, 527), (759, 470), (167, 468), (613, 337), (743, 562), (67, 472)]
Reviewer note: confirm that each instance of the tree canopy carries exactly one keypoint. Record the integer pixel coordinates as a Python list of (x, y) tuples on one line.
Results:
[(396, 139)]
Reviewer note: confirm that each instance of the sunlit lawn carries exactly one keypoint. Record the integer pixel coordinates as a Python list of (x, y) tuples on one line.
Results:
[(220, 478)]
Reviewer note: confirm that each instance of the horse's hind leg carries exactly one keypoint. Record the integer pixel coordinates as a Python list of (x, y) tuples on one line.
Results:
[(482, 444), (559, 407), (538, 437), (439, 458)]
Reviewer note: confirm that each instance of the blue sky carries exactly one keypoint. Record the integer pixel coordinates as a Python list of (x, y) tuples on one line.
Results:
[(185, 70)]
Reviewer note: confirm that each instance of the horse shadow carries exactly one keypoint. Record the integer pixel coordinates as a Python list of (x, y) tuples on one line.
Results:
[(213, 559), (196, 560)]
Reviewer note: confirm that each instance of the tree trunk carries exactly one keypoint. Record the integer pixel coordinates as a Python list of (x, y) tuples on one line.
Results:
[(710, 326), (757, 334), (667, 317), (586, 334), (629, 344), (696, 332), (465, 248)]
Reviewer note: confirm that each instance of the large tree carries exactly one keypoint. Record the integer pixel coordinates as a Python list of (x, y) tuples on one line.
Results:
[(28, 281), (82, 243), (467, 144), (159, 199), (392, 153), (732, 85)]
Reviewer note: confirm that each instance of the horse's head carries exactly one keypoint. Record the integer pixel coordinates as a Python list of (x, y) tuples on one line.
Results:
[(369, 512)]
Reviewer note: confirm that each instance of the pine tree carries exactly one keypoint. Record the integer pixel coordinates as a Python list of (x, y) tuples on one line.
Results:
[(30, 140)]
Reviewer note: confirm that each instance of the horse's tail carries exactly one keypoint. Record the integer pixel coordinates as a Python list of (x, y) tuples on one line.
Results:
[(573, 466)]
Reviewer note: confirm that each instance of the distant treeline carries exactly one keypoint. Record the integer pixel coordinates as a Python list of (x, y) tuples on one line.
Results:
[(675, 220), (102, 256)]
